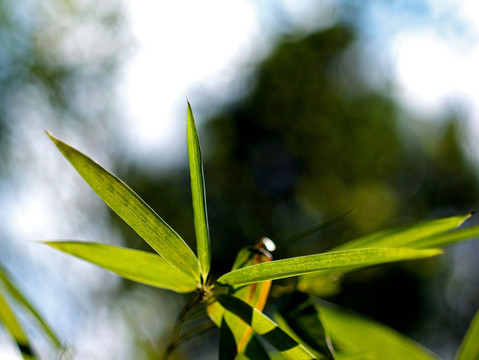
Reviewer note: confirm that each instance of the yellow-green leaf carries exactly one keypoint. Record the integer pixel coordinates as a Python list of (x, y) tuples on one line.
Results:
[(299, 314), (19, 298), (334, 260), (198, 195), (355, 334), (8, 319), (470, 345), (133, 210), (136, 265), (410, 235), (266, 328), (425, 234)]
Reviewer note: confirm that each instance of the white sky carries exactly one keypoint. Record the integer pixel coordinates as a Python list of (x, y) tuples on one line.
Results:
[(183, 46)]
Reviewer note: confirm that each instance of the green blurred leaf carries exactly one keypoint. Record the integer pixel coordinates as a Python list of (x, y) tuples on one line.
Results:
[(298, 312), (353, 334), (449, 238), (304, 264), (410, 235), (254, 295), (17, 295), (227, 343), (470, 344), (140, 266), (8, 319), (198, 196), (254, 351), (426, 234), (131, 208), (265, 328)]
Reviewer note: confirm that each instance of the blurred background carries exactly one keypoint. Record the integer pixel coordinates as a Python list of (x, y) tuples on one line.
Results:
[(305, 112)]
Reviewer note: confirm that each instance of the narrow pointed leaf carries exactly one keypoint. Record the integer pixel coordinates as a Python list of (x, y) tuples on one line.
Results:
[(355, 334), (133, 210), (10, 322), (254, 351), (470, 345), (449, 238), (198, 195), (410, 235), (139, 266), (254, 295), (334, 260), (227, 344), (426, 234), (298, 312), (17, 295), (266, 328)]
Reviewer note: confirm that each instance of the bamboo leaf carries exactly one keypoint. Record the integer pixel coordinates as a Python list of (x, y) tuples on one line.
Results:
[(302, 317), (254, 295), (17, 295), (254, 351), (133, 210), (355, 334), (140, 266), (410, 235), (8, 319), (265, 328), (305, 264), (227, 344), (426, 234), (449, 238), (470, 345), (198, 196)]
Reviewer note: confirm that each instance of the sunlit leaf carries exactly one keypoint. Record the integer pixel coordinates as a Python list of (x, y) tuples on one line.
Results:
[(10, 322), (17, 295), (266, 328), (470, 345), (227, 343), (298, 312), (254, 351), (304, 264), (140, 266), (355, 334), (131, 208), (426, 234), (198, 196), (410, 235), (449, 238), (254, 295)]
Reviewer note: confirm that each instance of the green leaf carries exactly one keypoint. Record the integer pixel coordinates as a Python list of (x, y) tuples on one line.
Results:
[(298, 312), (426, 234), (265, 327), (133, 210), (198, 196), (140, 266), (355, 334), (449, 238), (254, 295), (8, 319), (470, 344), (305, 264), (410, 235), (254, 351), (227, 343), (17, 295)]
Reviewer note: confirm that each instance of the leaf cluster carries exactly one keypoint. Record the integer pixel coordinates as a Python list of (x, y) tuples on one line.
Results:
[(304, 328)]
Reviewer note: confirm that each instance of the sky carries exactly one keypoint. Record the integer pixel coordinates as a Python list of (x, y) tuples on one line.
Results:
[(189, 49), (431, 51)]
